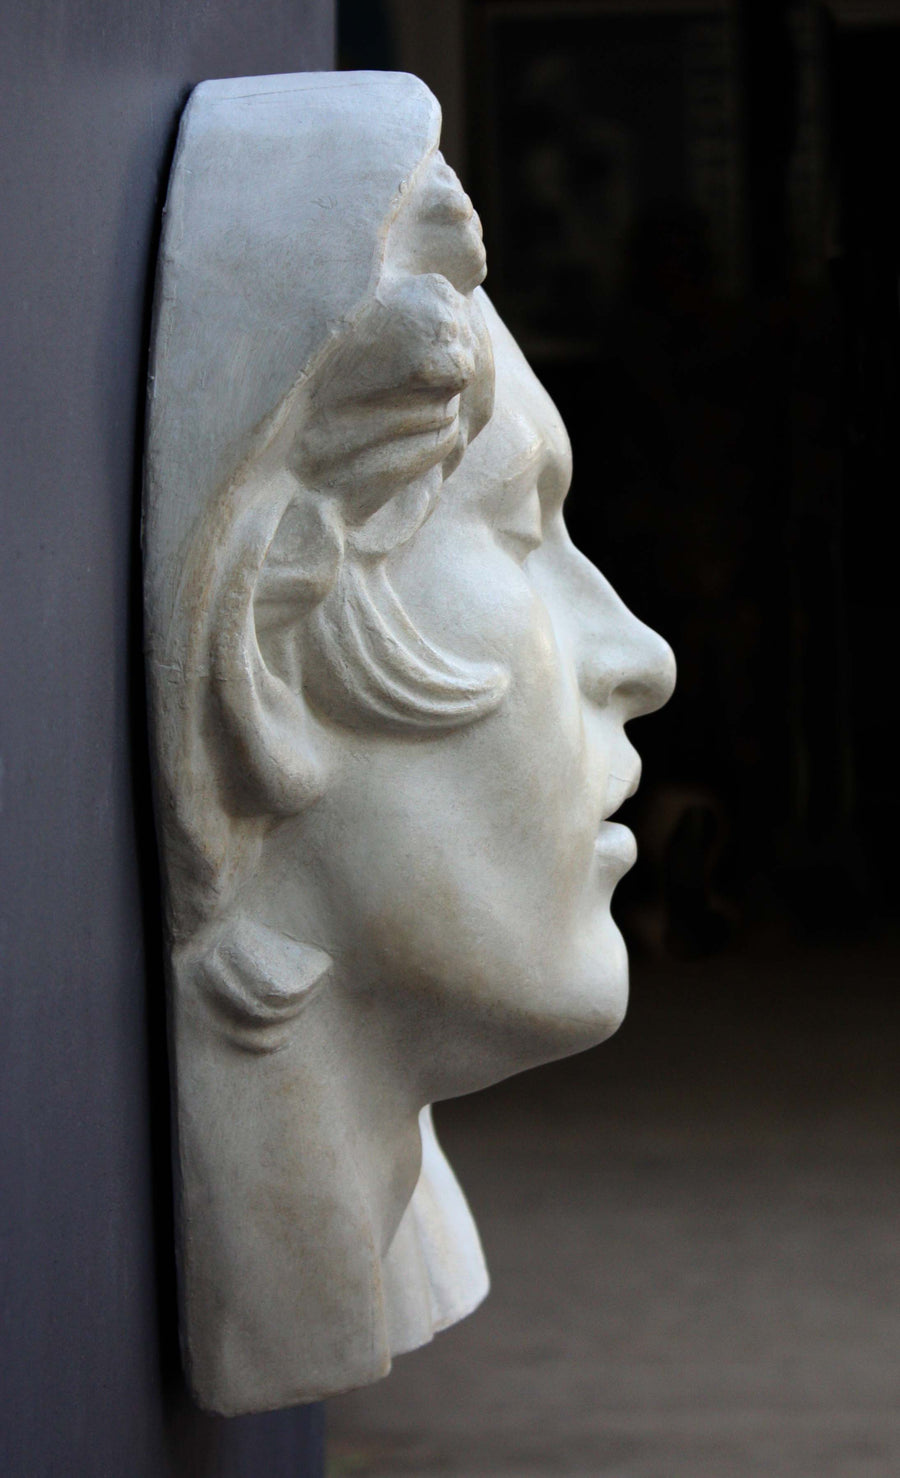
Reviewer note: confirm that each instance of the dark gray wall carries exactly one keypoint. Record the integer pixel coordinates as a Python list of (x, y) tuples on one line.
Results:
[(90, 93)]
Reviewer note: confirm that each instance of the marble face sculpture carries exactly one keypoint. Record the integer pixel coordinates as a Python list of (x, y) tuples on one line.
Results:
[(389, 703)]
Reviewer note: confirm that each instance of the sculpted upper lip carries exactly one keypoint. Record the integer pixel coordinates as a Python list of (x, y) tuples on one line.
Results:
[(621, 787)]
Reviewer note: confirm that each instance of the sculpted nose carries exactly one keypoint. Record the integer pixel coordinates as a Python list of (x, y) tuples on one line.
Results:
[(647, 677), (622, 659)]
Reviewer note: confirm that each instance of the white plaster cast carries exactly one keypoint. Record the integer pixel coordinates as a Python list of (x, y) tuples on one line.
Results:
[(389, 703)]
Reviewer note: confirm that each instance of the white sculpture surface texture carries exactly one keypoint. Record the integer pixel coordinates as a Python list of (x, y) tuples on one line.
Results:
[(388, 703)]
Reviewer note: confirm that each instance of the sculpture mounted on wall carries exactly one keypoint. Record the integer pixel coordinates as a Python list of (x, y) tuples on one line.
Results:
[(388, 702)]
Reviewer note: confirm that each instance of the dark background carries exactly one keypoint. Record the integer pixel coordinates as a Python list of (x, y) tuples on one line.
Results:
[(89, 1373)]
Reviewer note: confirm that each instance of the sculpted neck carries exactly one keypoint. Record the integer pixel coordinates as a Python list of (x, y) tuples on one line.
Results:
[(373, 1110), (299, 1156), (350, 1034)]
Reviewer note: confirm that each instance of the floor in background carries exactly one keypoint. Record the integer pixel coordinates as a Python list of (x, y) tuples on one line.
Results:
[(694, 1239)]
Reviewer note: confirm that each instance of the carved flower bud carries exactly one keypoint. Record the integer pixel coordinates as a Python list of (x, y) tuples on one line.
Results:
[(387, 403)]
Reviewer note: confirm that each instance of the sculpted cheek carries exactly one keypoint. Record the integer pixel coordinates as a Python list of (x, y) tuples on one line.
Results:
[(463, 588)]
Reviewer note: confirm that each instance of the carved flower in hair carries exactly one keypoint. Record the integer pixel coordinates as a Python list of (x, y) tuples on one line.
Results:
[(390, 409), (394, 402)]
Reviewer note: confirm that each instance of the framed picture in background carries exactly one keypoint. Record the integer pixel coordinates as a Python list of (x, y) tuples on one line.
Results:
[(590, 122)]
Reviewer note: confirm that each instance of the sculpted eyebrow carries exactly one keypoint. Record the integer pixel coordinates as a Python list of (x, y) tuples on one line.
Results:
[(539, 467), (525, 471)]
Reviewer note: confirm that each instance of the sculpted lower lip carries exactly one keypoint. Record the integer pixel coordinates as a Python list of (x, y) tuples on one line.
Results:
[(616, 844)]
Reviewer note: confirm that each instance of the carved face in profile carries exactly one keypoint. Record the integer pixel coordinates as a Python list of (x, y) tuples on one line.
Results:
[(471, 893), (390, 701)]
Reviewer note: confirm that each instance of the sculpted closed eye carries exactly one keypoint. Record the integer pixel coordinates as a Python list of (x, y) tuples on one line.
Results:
[(520, 527)]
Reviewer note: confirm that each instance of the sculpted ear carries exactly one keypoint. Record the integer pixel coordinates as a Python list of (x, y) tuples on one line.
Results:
[(268, 749), (255, 981)]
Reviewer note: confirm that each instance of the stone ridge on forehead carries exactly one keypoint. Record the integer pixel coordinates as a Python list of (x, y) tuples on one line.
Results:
[(280, 199), (278, 83), (291, 103)]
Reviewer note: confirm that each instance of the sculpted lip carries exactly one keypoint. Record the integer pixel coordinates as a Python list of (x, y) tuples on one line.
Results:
[(621, 788), (615, 843)]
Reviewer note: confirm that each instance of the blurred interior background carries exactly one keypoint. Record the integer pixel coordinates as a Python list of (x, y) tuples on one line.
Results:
[(692, 222)]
